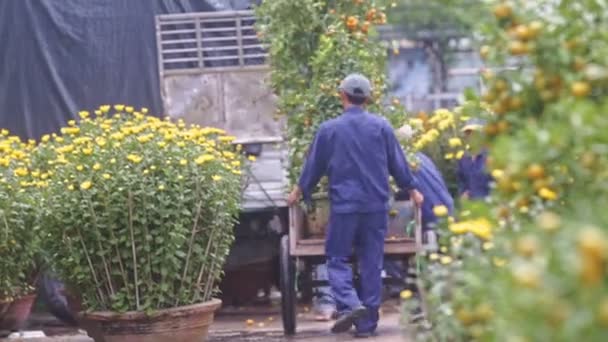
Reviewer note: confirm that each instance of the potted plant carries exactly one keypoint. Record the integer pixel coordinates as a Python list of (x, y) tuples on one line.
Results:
[(139, 214), (19, 242)]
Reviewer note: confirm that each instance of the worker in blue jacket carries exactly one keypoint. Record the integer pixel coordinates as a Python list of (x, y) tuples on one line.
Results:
[(473, 178), (436, 193), (433, 188), (357, 151)]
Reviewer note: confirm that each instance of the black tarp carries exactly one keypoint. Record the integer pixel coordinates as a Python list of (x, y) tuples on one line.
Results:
[(61, 56)]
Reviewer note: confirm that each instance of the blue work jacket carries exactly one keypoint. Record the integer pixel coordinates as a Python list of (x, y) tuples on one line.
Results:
[(357, 151), (473, 177), (433, 188)]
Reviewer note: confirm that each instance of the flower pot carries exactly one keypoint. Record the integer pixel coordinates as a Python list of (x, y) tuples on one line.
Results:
[(14, 314), (318, 217), (185, 324), (4, 305)]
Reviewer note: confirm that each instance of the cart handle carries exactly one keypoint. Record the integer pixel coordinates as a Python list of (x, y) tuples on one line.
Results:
[(293, 232)]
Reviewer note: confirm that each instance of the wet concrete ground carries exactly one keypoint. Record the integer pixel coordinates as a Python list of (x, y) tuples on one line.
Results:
[(267, 326), (261, 324)]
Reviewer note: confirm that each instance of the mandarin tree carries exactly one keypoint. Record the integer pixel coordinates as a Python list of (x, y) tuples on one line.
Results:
[(543, 277), (313, 45)]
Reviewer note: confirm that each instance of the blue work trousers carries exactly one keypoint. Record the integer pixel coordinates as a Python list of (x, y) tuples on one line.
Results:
[(364, 233)]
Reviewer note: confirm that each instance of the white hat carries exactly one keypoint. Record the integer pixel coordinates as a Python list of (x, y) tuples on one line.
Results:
[(405, 132)]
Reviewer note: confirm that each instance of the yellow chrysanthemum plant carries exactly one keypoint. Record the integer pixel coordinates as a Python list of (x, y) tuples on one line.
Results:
[(139, 211), (431, 133), (469, 234), (466, 243), (438, 135), (19, 239)]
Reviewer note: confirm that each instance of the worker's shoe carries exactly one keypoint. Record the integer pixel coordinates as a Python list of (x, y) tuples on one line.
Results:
[(416, 316), (325, 316), (346, 321), (324, 308)]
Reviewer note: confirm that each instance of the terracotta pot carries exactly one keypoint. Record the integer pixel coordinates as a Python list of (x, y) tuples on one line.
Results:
[(13, 315), (185, 324), (4, 305)]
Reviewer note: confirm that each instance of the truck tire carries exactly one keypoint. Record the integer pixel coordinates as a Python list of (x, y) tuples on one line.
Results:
[(288, 287)]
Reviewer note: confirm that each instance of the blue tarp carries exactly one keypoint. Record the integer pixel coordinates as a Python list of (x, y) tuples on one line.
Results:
[(61, 56)]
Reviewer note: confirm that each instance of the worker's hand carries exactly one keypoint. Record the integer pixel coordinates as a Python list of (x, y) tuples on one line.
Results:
[(417, 197), (294, 196)]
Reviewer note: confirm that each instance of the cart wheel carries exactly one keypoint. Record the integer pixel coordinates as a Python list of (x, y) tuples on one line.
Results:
[(288, 288)]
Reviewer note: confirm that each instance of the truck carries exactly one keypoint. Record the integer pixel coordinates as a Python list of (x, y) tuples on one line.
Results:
[(214, 72)]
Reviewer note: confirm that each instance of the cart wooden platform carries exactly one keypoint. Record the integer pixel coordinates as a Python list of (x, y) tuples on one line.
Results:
[(299, 249)]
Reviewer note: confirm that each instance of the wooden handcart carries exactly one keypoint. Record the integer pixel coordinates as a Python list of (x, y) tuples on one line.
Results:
[(299, 251)]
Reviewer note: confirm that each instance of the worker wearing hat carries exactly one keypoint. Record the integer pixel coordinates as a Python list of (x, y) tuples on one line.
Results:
[(473, 179), (433, 188), (431, 185), (357, 151)]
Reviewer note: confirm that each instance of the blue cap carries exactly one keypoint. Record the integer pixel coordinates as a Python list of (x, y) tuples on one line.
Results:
[(356, 85)]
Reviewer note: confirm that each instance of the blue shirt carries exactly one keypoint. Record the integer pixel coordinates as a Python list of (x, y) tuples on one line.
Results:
[(357, 151), (472, 176), (433, 188)]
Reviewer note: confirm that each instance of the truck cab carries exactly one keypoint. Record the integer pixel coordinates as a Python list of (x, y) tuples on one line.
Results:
[(214, 71)]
